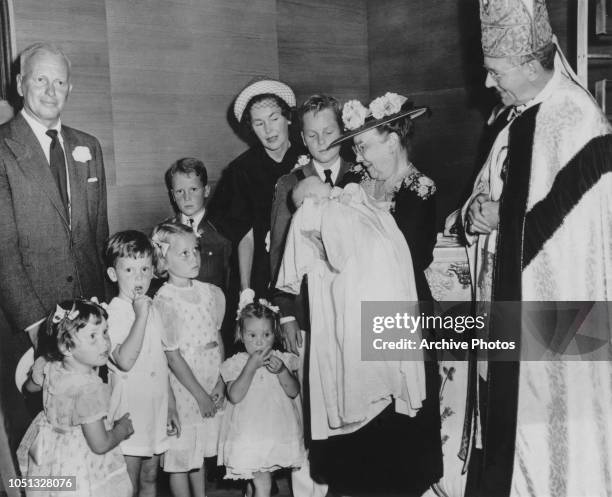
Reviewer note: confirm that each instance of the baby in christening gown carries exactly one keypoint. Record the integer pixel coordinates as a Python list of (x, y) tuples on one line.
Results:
[(352, 251)]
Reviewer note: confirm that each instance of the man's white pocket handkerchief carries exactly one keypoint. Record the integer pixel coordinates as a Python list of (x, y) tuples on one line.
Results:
[(92, 180)]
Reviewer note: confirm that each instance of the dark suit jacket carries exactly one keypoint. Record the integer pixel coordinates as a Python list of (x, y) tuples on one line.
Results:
[(215, 251), (282, 210), (43, 258)]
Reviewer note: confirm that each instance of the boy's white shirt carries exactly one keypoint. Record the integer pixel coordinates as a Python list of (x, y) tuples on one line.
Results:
[(335, 169), (197, 218)]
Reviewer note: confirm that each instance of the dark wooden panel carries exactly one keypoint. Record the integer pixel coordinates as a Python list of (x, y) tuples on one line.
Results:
[(79, 27), (175, 68), (446, 144), (137, 207), (423, 44), (322, 47)]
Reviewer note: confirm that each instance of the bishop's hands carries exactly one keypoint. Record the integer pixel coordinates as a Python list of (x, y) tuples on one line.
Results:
[(482, 215)]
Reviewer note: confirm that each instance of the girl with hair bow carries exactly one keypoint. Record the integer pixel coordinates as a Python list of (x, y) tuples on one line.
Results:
[(262, 426)]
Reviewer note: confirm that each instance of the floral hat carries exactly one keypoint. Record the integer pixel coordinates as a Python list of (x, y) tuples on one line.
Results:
[(260, 86), (382, 110)]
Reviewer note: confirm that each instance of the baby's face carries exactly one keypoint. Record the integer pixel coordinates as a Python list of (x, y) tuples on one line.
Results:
[(311, 187)]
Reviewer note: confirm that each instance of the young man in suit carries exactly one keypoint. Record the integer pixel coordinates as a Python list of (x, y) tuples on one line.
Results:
[(54, 217), (321, 124)]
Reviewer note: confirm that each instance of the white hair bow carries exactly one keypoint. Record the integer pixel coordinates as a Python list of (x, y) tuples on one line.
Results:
[(247, 296), (162, 246), (60, 314)]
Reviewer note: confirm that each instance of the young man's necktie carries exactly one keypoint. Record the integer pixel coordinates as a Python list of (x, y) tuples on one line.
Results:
[(328, 177)]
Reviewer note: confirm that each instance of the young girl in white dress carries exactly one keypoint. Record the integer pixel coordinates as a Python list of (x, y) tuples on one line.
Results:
[(191, 313), (262, 427), (73, 435)]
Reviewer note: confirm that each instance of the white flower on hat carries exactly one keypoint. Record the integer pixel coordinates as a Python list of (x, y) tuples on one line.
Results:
[(354, 114), (81, 154), (387, 105)]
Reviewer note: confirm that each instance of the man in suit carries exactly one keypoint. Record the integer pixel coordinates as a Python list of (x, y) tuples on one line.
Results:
[(320, 120), (54, 217)]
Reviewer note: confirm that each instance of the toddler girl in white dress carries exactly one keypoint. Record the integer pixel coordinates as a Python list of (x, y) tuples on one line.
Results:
[(262, 427)]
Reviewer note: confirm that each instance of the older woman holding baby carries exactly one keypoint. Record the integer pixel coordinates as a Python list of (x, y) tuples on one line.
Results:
[(382, 136), (382, 142)]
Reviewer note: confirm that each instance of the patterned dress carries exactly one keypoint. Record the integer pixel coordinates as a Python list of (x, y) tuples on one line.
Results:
[(192, 316), (54, 444)]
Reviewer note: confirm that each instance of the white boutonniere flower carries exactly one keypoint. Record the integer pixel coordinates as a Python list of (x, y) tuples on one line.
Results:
[(301, 161), (81, 154)]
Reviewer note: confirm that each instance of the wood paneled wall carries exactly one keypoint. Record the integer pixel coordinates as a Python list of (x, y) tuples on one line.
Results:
[(154, 79), (429, 50), (323, 47), (79, 27), (175, 68)]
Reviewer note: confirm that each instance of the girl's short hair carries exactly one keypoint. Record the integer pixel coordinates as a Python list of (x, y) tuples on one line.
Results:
[(259, 311), (161, 238), (59, 329)]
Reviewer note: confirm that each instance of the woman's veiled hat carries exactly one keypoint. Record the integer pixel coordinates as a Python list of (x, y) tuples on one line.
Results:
[(514, 27), (261, 86), (382, 110)]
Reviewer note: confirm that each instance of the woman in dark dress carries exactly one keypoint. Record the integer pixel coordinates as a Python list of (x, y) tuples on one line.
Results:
[(242, 205), (384, 151), (393, 452)]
